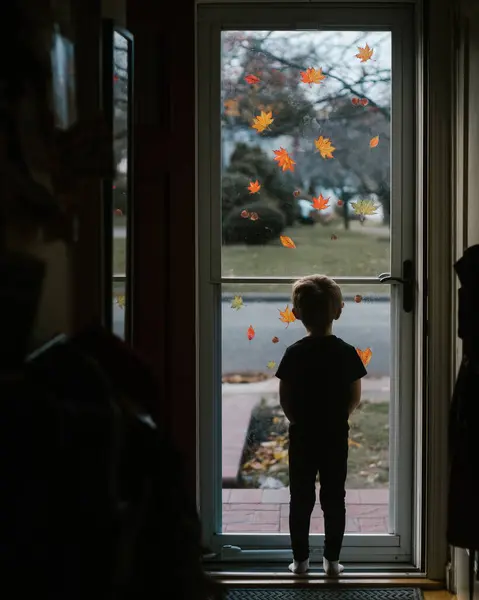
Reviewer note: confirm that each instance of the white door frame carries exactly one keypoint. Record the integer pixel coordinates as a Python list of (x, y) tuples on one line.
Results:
[(380, 548)]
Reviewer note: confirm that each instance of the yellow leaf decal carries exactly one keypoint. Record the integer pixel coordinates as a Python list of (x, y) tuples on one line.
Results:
[(237, 303), (324, 146), (120, 300), (287, 316), (263, 121), (271, 364), (231, 108), (364, 208), (365, 53)]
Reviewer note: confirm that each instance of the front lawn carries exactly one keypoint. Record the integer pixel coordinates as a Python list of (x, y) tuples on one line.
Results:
[(266, 453)]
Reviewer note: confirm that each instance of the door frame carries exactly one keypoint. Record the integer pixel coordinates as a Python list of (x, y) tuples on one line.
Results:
[(390, 549)]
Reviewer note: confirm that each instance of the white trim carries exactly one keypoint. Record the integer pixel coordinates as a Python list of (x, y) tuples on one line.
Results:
[(210, 278), (440, 219), (420, 309)]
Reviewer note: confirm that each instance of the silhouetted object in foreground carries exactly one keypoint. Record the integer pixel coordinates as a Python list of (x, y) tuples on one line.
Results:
[(463, 518)]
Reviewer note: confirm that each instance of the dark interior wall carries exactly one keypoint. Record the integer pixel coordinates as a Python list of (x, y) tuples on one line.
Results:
[(164, 307)]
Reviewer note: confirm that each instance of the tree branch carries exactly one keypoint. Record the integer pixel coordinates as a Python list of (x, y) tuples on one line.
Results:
[(344, 83)]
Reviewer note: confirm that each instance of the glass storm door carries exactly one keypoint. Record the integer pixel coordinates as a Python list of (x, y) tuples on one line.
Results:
[(305, 133)]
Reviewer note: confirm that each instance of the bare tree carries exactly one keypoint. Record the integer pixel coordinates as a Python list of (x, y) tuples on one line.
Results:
[(305, 113)]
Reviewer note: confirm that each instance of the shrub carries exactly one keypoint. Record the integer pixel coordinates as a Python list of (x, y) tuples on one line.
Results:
[(234, 190), (270, 224), (120, 199), (253, 162)]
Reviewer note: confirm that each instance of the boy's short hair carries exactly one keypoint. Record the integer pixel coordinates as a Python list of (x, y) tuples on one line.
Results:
[(317, 301)]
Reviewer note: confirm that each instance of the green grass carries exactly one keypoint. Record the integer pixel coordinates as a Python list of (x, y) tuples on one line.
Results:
[(368, 464), (359, 252)]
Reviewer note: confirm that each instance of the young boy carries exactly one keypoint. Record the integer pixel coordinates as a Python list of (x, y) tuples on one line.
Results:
[(320, 386)]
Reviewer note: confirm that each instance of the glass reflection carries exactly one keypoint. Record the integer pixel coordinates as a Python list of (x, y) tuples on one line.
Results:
[(255, 431)]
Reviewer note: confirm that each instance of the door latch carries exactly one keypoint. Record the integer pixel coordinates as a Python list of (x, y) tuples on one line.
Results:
[(408, 282)]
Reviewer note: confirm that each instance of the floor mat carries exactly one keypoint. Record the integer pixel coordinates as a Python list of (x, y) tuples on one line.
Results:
[(327, 594)]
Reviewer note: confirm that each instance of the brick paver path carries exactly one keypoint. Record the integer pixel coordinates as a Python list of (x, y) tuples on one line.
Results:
[(256, 511)]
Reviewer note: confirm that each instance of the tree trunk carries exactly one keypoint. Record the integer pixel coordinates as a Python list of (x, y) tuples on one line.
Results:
[(385, 200), (346, 214)]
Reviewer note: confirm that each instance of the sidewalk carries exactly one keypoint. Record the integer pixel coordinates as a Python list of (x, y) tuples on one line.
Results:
[(256, 511)]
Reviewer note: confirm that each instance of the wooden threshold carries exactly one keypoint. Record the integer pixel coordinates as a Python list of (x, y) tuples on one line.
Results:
[(322, 581)]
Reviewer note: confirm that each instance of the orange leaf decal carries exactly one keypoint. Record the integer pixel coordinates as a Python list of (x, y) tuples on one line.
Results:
[(360, 101), (358, 298), (284, 160), (275, 340), (254, 216), (365, 355), (286, 316), (254, 187), (296, 193), (231, 108), (118, 212), (245, 214), (250, 333), (365, 53), (312, 76), (262, 121), (325, 147), (334, 236), (374, 142), (287, 241), (320, 203), (251, 79), (339, 202)]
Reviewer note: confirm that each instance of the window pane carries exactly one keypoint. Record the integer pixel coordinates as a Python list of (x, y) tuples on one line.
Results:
[(120, 184), (332, 202), (254, 429)]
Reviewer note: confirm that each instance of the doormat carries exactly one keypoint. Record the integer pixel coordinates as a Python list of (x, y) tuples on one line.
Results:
[(328, 594)]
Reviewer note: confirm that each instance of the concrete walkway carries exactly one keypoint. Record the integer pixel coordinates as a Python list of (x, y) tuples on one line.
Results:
[(262, 511)]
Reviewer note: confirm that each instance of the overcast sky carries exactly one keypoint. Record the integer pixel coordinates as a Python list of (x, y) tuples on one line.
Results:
[(334, 51)]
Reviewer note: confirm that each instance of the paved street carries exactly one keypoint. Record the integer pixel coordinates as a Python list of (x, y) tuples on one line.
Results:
[(363, 325)]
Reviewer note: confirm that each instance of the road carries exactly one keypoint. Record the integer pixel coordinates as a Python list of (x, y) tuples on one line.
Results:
[(364, 325)]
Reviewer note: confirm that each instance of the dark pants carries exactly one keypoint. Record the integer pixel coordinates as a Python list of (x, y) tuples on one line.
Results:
[(309, 455)]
